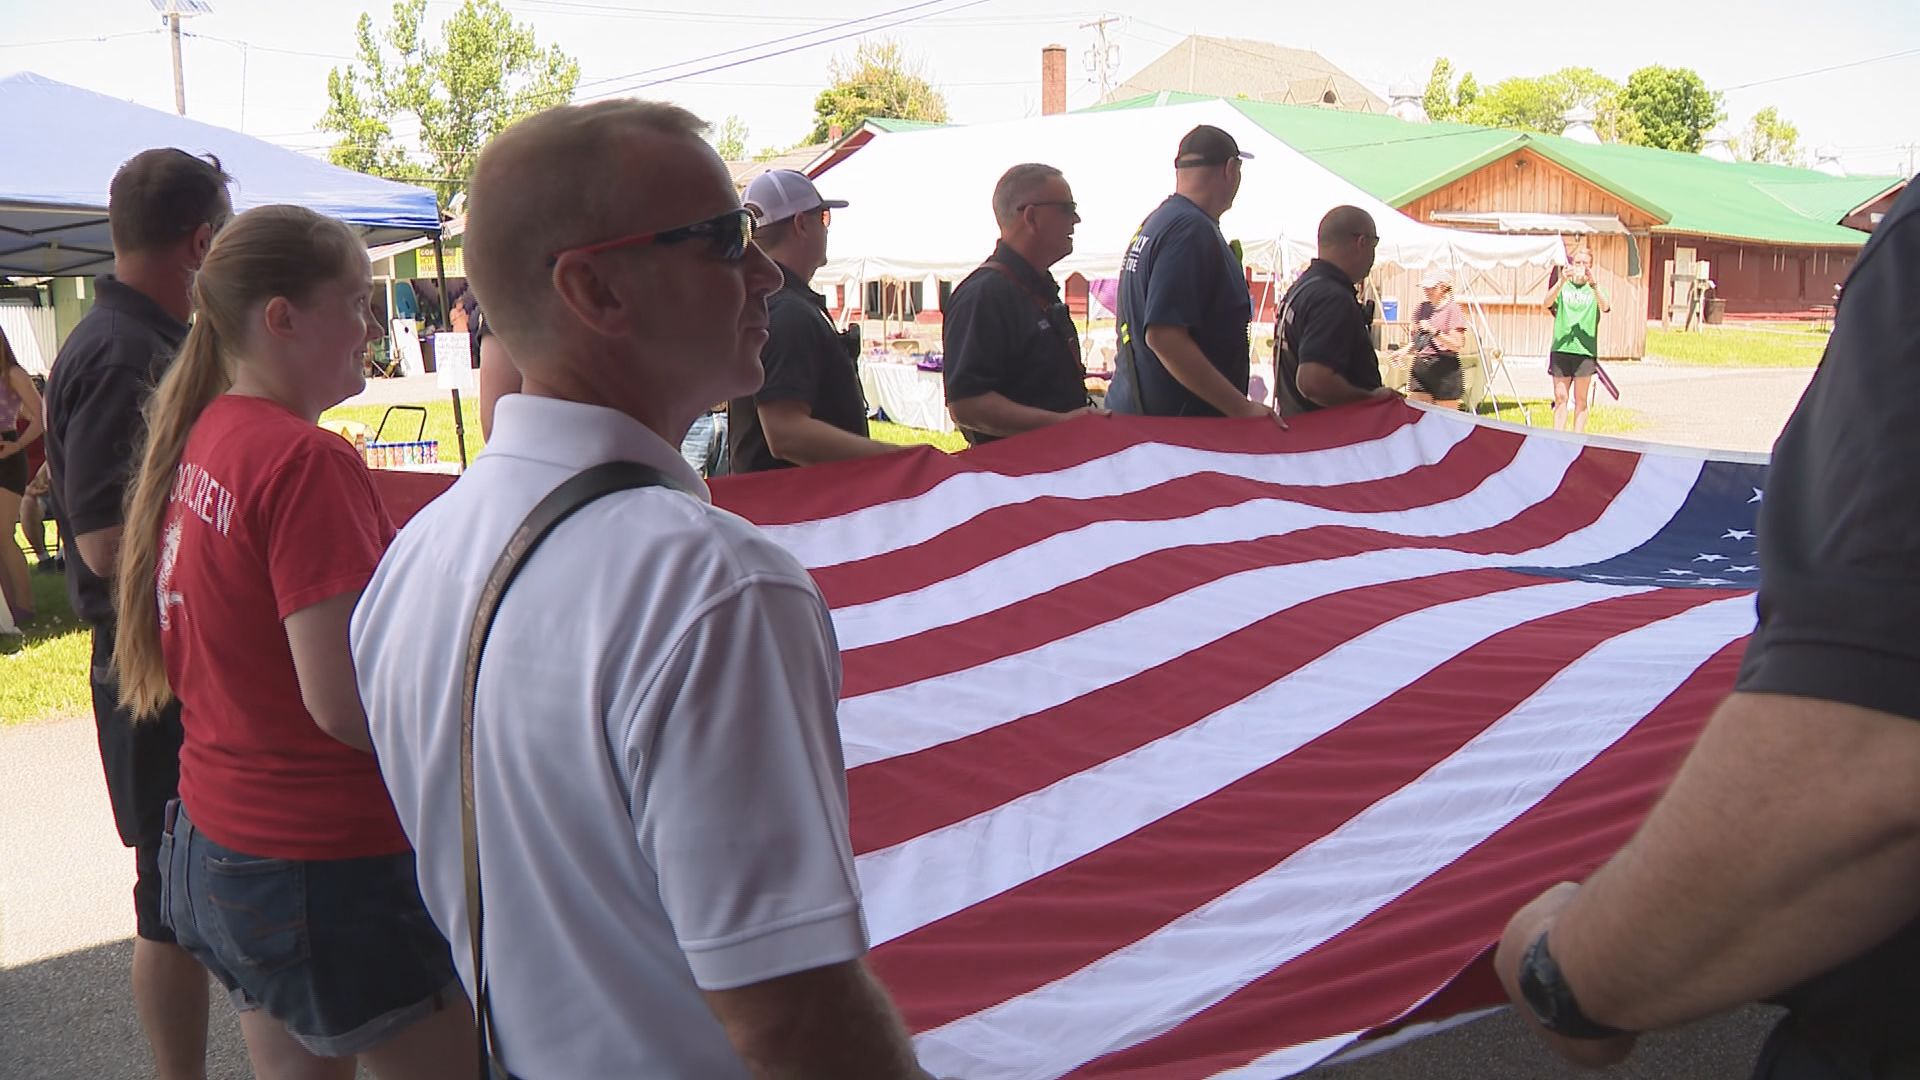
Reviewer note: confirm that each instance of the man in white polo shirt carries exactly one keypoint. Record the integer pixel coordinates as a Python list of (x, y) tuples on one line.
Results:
[(660, 793)]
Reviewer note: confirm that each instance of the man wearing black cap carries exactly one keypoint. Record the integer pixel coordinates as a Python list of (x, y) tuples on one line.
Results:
[(810, 408), (1184, 308)]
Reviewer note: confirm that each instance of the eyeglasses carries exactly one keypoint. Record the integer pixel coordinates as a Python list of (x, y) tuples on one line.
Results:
[(1068, 205), (729, 233), (1372, 239)]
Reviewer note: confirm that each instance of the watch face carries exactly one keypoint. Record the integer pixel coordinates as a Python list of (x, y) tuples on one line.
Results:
[(1533, 984)]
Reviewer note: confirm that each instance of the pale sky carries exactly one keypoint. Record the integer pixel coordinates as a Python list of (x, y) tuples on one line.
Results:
[(984, 54)]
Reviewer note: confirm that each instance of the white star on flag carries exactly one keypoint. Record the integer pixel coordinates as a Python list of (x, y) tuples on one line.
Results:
[(1738, 534), (1756, 496), (1704, 557), (1679, 573), (1741, 569), (1713, 581)]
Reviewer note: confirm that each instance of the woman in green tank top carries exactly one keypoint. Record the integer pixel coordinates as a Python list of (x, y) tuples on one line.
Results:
[(1577, 302)]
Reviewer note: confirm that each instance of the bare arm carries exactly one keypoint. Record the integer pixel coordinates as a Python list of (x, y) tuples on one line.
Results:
[(30, 408), (794, 435), (100, 550), (1686, 920), (996, 414), (824, 1024), (322, 662), (1175, 347), (1324, 386), (1553, 294)]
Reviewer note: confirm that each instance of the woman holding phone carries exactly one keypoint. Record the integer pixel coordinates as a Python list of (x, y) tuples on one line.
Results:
[(1577, 302)]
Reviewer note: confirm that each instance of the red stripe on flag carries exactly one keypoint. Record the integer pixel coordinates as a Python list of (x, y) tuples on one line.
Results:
[(1006, 529), (1056, 924), (900, 798), (1589, 485), (773, 498), (1360, 979)]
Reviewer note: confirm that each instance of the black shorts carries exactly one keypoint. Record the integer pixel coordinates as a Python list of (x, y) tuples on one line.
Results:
[(142, 765), (1565, 365), (13, 470), (1438, 375)]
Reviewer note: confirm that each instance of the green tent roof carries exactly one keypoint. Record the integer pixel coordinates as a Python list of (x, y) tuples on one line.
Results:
[(1397, 162)]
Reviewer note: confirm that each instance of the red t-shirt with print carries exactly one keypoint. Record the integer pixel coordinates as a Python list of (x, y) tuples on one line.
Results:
[(269, 515)]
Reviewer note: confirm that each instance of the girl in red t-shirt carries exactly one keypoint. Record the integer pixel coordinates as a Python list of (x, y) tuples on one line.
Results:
[(249, 536)]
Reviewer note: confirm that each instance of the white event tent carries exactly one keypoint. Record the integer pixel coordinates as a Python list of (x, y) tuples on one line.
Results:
[(920, 199)]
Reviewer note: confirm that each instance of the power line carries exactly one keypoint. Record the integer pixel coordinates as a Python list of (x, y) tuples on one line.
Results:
[(267, 48), (1824, 70), (79, 40), (783, 52)]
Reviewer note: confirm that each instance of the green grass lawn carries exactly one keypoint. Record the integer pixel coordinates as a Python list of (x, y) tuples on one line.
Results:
[(1717, 346), (1601, 420), (44, 674), (402, 424)]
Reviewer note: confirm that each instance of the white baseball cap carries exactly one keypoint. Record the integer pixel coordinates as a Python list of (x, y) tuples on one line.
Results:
[(782, 193), (1436, 278)]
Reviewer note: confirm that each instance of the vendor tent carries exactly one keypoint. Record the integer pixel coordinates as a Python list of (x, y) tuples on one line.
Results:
[(920, 199), (63, 145)]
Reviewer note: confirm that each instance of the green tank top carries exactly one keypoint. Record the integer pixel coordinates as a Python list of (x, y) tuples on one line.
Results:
[(1576, 320)]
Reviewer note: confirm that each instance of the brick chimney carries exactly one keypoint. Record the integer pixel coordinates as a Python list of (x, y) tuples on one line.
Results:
[(1053, 80)]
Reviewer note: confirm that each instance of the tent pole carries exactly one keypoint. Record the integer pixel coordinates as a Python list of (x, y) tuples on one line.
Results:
[(446, 313)]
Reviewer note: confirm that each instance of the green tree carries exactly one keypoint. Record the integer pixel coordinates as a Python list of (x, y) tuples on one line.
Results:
[(1769, 139), (1439, 100), (877, 81), (1672, 107), (1541, 103), (731, 142), (485, 72)]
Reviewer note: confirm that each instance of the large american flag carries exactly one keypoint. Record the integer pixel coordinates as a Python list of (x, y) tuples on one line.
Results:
[(1198, 748)]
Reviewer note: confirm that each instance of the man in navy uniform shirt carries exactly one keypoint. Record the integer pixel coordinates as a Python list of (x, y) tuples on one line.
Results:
[(1184, 307)]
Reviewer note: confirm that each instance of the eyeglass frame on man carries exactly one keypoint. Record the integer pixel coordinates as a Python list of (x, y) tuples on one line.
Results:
[(1070, 206), (709, 229)]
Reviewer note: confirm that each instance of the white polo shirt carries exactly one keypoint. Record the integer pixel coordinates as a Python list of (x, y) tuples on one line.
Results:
[(661, 794)]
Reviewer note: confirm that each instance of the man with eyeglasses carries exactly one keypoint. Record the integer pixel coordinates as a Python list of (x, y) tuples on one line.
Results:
[(810, 409), (1182, 347), (1322, 336), (1012, 352), (658, 783)]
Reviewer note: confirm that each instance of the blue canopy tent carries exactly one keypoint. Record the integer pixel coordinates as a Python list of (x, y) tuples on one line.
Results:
[(62, 145)]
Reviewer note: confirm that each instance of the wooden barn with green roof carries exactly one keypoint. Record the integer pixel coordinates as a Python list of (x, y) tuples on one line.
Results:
[(1778, 238)]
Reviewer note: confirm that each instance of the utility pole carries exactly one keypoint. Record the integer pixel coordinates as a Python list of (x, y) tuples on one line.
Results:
[(1101, 57), (171, 12)]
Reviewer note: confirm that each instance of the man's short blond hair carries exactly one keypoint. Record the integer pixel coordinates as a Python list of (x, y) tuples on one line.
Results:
[(555, 180)]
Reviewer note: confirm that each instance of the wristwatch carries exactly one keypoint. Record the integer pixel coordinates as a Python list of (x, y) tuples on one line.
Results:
[(1551, 1000)]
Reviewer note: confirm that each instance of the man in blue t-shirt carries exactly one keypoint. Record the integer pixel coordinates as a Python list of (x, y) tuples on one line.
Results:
[(1184, 307)]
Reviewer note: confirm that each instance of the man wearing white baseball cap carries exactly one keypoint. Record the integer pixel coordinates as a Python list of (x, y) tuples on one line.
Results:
[(810, 408)]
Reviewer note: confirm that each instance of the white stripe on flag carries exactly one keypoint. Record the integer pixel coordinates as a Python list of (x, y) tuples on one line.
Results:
[(973, 700), (903, 523), (949, 869), (1291, 1059), (1153, 985), (1533, 475)]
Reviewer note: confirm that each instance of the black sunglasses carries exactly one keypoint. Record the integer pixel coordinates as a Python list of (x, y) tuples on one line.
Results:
[(729, 233)]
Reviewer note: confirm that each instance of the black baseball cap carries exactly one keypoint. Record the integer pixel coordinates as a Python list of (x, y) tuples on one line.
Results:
[(1208, 145)]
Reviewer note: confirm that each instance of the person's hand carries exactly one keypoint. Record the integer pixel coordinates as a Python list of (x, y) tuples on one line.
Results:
[(1254, 408), (1424, 325), (1527, 924), (1089, 410), (1385, 393)]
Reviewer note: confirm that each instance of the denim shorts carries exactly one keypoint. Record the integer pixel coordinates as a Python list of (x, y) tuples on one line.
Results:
[(341, 951)]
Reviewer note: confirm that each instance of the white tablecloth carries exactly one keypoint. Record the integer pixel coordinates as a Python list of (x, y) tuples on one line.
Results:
[(906, 394)]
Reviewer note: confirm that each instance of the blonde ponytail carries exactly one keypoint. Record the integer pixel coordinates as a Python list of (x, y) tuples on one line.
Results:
[(268, 252), (200, 374)]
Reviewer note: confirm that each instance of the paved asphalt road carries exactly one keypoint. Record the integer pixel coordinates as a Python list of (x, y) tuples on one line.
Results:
[(65, 917), (65, 1012)]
